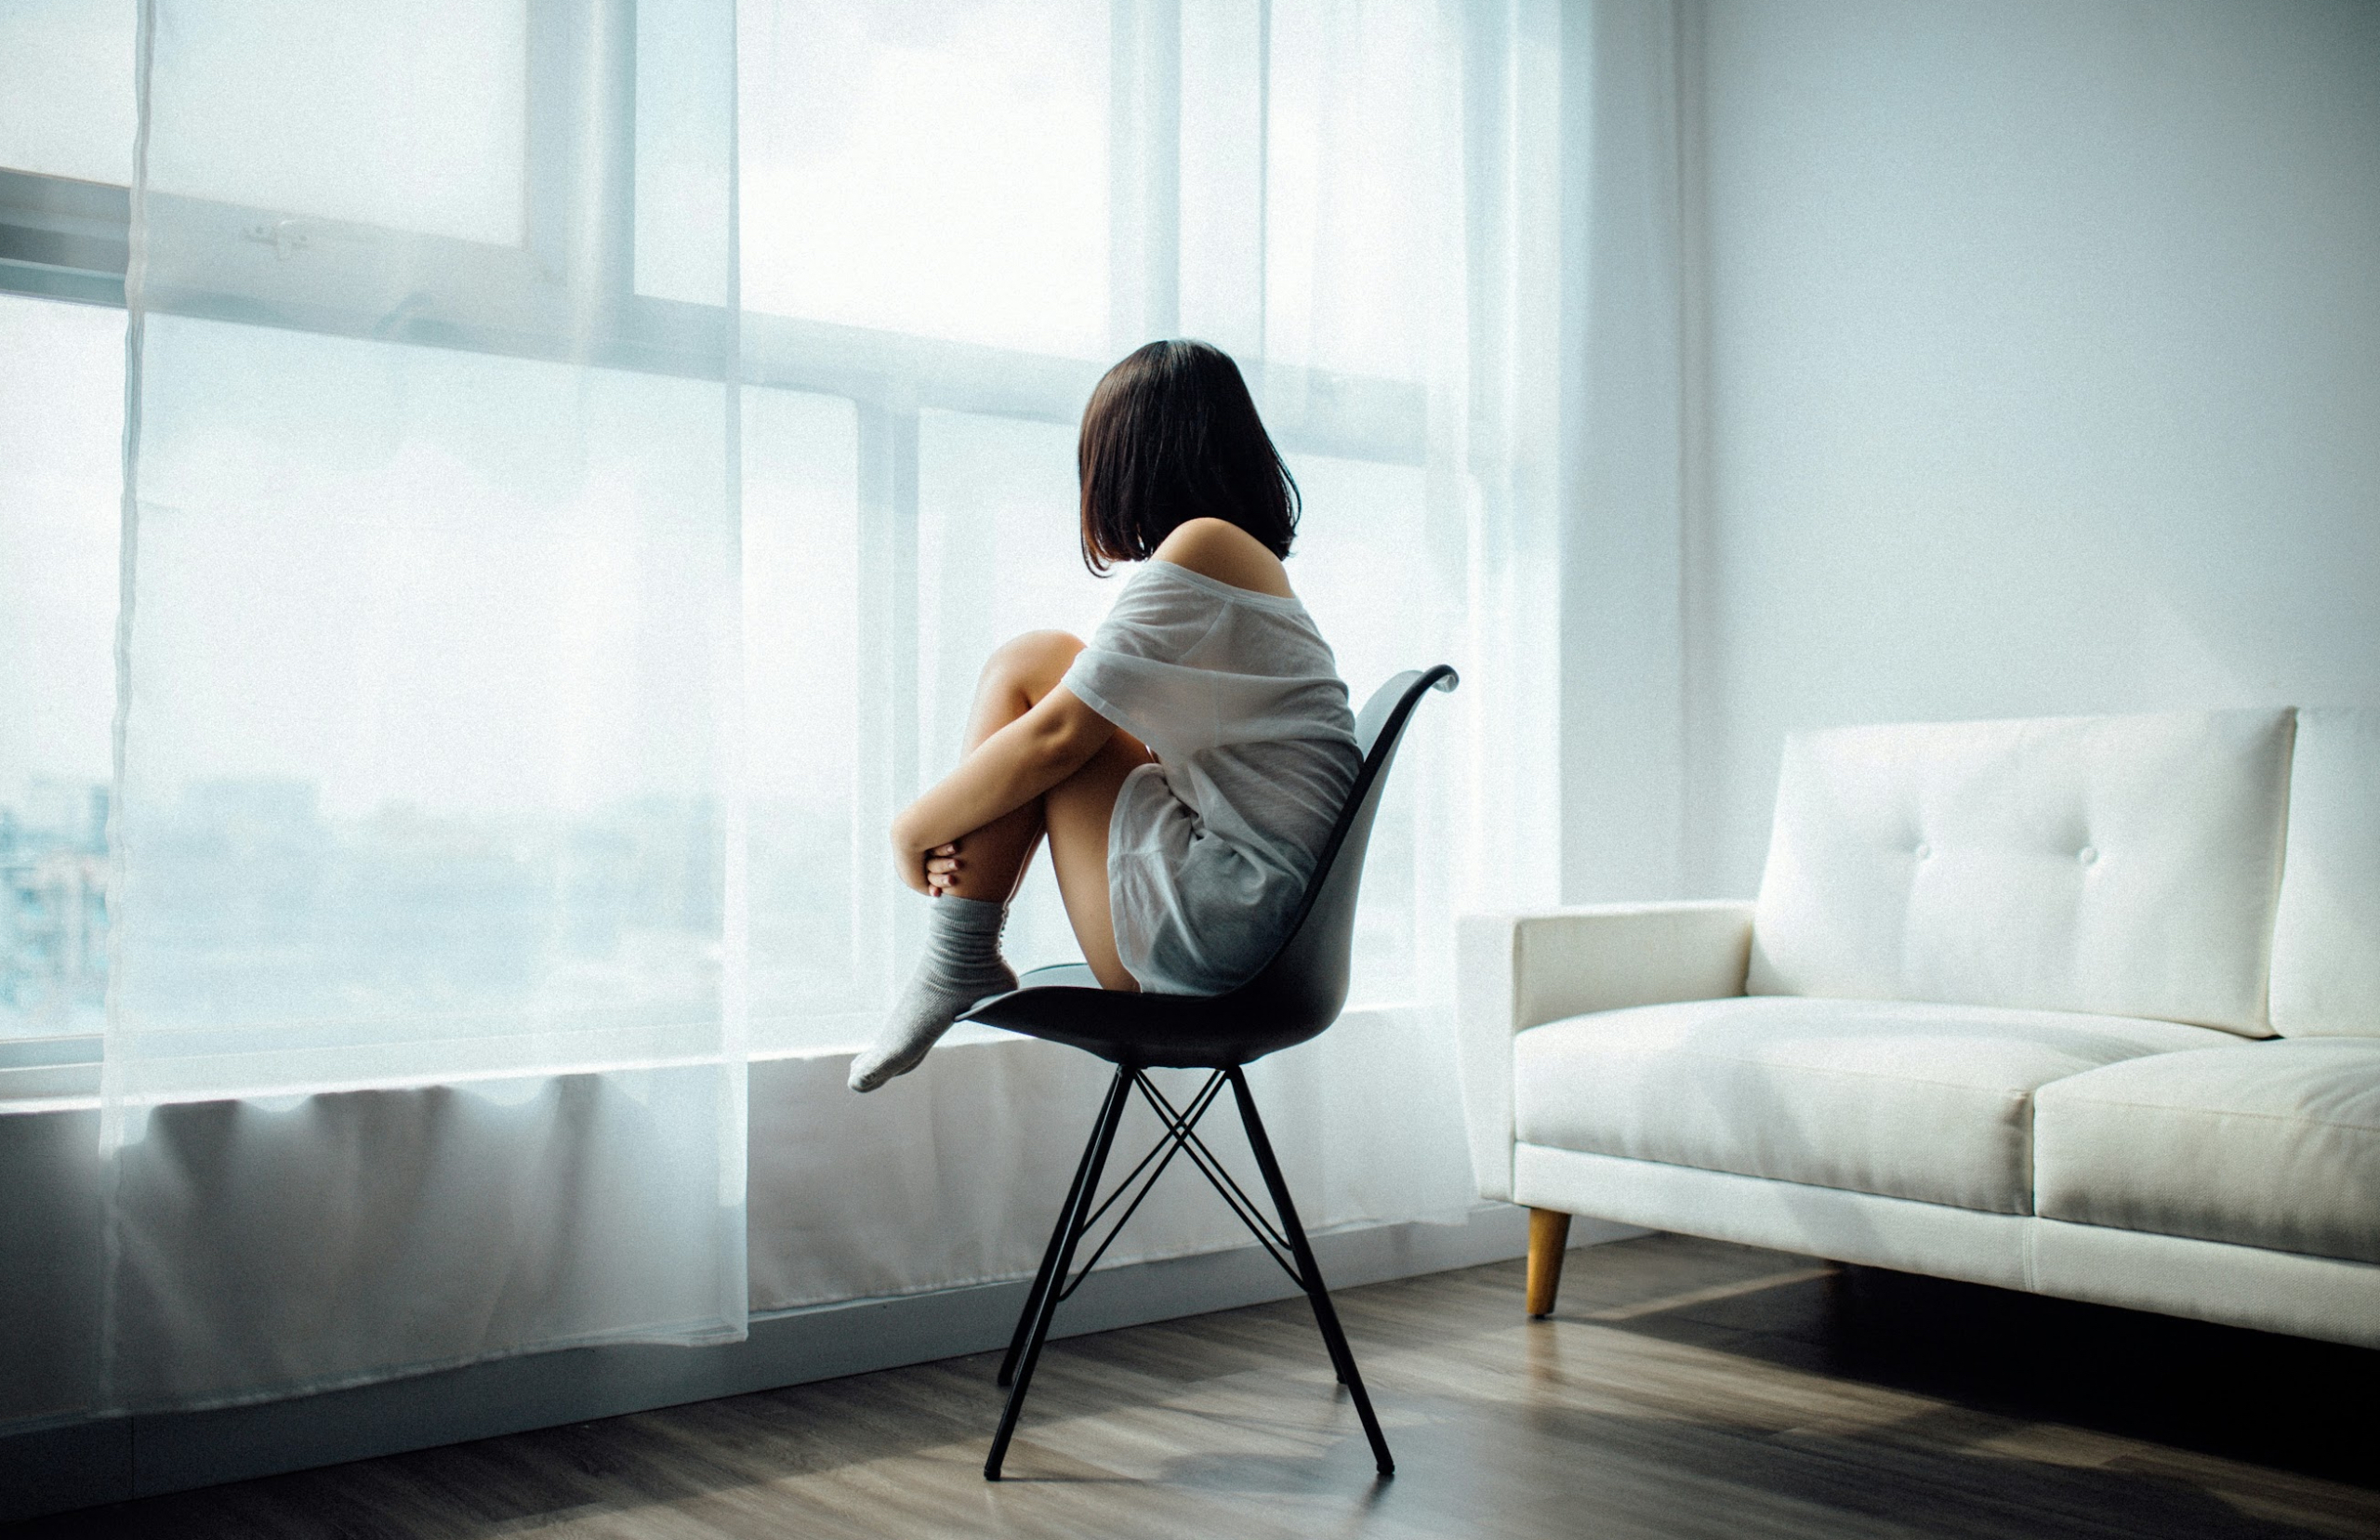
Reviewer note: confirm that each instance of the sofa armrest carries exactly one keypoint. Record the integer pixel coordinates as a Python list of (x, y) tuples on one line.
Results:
[(1517, 971)]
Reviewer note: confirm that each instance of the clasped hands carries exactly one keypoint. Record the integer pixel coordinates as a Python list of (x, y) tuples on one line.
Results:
[(930, 869)]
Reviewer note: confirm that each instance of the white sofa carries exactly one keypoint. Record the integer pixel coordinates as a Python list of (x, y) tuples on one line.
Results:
[(2083, 1006)]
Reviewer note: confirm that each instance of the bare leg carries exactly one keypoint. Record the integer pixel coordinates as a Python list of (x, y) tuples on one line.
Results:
[(1077, 810), (990, 863), (991, 859), (974, 876)]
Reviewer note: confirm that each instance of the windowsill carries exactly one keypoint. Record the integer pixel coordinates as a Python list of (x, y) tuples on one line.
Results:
[(49, 1074), (62, 1074)]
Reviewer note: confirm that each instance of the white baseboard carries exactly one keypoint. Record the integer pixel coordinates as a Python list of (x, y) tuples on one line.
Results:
[(110, 1460)]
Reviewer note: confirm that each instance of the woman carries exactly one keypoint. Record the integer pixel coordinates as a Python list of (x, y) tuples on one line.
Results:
[(1186, 764)]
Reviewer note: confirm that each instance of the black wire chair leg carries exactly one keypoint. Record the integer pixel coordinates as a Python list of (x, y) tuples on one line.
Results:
[(1334, 1337), (1307, 1273), (1072, 1223), (1042, 1280)]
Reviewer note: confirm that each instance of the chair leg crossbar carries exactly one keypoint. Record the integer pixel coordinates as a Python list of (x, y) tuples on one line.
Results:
[(1285, 1242)]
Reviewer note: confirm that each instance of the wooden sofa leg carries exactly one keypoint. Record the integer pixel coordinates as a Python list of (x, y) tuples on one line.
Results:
[(1549, 1232)]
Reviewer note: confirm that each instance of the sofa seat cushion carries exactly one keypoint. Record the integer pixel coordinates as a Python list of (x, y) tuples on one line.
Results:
[(1925, 1101), (2263, 1144)]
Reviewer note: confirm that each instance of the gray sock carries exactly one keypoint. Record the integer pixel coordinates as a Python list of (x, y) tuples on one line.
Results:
[(962, 965)]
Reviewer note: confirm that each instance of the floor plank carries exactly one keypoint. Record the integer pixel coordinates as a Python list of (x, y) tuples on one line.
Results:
[(1683, 1389)]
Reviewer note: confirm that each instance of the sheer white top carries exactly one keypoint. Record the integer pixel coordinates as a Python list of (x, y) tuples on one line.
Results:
[(1239, 698)]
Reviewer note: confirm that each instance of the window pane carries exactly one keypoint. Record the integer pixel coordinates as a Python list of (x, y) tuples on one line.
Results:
[(801, 715), (1222, 227), (343, 112), (998, 554), (1363, 569), (420, 745), (936, 169), (61, 422), (686, 98), (1348, 211), (66, 106)]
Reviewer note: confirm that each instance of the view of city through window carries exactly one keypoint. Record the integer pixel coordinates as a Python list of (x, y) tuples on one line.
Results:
[(62, 410), (54, 924)]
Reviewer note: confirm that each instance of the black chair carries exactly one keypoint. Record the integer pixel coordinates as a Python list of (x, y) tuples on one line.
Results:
[(1292, 998)]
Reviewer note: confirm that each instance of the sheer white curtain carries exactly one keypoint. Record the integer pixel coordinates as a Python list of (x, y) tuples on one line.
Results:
[(427, 877), (576, 459), (954, 217)]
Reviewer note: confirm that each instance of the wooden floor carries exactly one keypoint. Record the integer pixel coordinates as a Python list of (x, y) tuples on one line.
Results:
[(1683, 1388)]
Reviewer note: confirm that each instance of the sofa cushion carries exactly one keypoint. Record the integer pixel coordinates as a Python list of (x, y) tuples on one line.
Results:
[(1925, 1101), (2262, 1144), (2326, 939), (2119, 865)]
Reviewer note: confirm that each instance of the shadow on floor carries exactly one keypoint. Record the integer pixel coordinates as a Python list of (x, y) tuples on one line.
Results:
[(2256, 1396)]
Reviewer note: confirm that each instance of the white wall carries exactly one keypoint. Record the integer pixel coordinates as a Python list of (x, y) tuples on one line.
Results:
[(2042, 371)]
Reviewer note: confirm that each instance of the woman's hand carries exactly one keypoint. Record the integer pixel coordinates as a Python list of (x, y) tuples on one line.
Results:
[(942, 867), (927, 869), (1008, 769)]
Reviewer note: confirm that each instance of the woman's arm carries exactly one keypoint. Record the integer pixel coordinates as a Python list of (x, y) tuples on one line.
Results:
[(1006, 770)]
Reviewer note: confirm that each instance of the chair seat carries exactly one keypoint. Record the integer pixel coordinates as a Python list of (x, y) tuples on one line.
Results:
[(1064, 1003), (1060, 976)]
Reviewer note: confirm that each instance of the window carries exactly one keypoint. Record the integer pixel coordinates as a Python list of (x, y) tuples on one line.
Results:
[(934, 170), (441, 761), (1345, 258), (383, 133), (813, 861), (952, 217), (66, 75), (62, 416)]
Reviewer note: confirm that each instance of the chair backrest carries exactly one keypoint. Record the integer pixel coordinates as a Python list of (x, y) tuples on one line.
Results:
[(1301, 989)]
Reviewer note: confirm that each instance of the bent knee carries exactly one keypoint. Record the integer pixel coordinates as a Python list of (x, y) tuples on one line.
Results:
[(1035, 661)]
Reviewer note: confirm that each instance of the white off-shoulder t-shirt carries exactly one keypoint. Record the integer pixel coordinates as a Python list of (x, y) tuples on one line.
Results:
[(1239, 698)]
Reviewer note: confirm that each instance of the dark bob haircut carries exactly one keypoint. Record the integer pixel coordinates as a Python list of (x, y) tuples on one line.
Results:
[(1171, 435)]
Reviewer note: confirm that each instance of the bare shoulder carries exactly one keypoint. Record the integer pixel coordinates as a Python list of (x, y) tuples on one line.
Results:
[(1220, 550)]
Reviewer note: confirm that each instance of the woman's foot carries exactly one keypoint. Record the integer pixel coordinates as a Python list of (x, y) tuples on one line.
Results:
[(962, 965)]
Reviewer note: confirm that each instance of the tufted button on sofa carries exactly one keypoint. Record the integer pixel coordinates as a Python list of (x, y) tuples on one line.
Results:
[(2083, 1006)]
